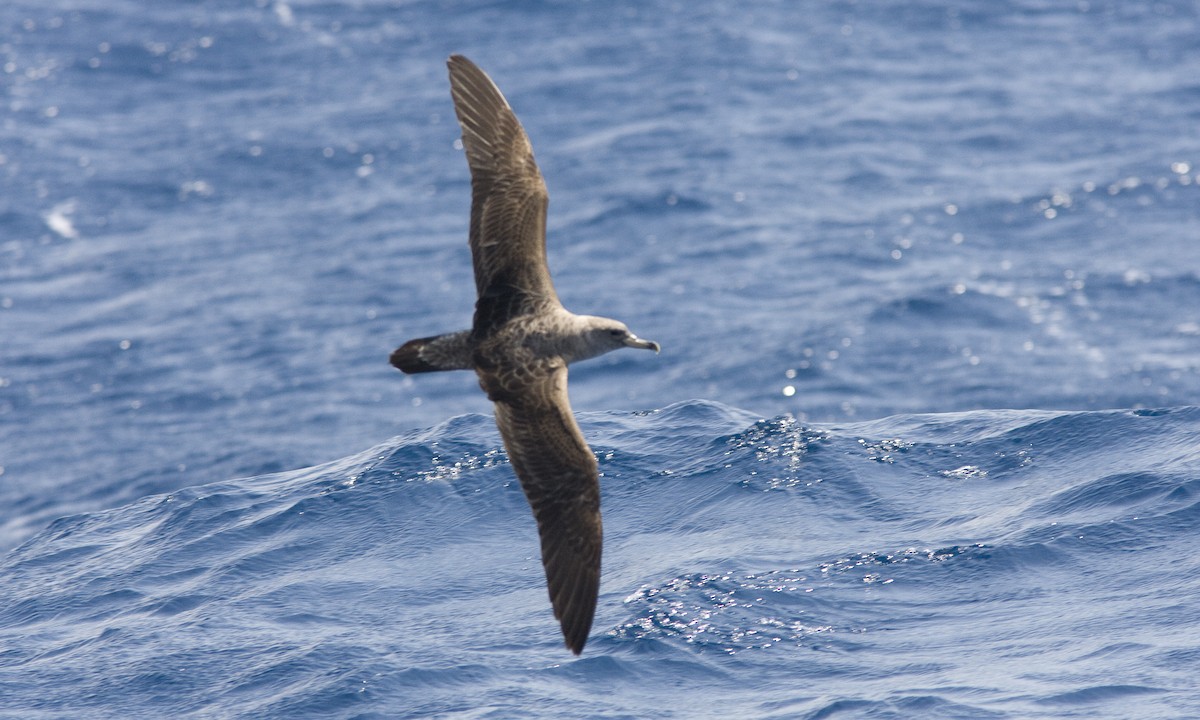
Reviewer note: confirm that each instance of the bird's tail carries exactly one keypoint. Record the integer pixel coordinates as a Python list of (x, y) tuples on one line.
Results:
[(451, 351)]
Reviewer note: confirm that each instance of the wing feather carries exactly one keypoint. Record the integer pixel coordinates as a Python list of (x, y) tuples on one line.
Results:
[(561, 480), (508, 202)]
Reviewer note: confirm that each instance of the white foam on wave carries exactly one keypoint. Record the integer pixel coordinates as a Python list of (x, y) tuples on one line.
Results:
[(59, 220)]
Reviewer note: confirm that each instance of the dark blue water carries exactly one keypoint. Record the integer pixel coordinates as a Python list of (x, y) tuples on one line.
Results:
[(922, 441)]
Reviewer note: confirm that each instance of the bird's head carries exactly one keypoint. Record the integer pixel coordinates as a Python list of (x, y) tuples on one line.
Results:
[(605, 335)]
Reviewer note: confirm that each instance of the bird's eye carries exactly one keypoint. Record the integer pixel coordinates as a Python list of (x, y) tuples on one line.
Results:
[(615, 333)]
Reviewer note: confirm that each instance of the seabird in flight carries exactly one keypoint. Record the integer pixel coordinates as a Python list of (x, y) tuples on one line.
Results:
[(520, 343)]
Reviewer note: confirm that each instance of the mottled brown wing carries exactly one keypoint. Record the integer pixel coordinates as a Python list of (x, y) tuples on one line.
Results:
[(508, 202), (561, 480)]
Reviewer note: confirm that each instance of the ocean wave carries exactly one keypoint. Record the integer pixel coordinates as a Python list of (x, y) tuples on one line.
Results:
[(845, 553)]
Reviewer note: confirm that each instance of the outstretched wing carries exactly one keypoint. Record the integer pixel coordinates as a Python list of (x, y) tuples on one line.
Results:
[(508, 202), (561, 480)]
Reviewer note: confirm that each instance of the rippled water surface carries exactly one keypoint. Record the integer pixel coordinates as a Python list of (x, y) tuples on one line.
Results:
[(921, 441)]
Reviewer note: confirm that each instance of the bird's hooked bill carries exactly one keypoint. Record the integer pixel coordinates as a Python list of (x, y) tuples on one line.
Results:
[(634, 341)]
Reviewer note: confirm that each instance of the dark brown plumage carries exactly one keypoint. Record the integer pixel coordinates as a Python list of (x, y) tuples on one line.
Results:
[(520, 344)]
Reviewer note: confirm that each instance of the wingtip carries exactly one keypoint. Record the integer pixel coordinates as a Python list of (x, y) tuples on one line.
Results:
[(575, 642), (576, 617)]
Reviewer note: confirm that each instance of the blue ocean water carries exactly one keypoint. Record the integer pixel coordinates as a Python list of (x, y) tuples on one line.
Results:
[(922, 441)]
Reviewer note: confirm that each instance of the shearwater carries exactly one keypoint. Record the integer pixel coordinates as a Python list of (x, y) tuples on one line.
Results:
[(520, 343)]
